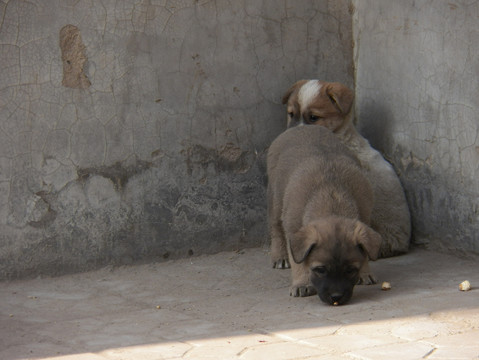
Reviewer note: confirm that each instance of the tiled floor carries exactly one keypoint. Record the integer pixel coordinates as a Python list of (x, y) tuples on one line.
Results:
[(235, 306)]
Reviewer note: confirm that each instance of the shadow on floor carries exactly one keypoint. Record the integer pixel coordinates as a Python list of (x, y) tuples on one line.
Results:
[(229, 304)]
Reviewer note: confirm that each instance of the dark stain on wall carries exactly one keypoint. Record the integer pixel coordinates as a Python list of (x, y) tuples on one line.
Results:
[(228, 158), (117, 173)]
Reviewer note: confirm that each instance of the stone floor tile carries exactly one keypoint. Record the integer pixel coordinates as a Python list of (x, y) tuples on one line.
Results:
[(168, 350), (462, 318), (303, 330), (467, 338), (372, 327), (283, 350), (457, 352), (82, 356), (229, 347), (419, 328), (344, 343), (403, 351), (192, 329)]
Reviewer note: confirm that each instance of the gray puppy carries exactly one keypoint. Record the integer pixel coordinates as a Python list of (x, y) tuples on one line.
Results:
[(319, 209)]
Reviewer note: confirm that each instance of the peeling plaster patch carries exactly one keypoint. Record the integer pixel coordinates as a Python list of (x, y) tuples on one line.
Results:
[(73, 57)]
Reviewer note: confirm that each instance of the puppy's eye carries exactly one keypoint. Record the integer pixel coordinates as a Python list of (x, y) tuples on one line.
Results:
[(352, 271), (291, 114), (313, 118), (320, 270)]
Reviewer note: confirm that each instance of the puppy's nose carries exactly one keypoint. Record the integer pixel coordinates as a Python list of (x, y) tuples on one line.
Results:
[(335, 298)]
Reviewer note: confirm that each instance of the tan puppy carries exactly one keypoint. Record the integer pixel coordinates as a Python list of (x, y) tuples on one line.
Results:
[(319, 205), (330, 105)]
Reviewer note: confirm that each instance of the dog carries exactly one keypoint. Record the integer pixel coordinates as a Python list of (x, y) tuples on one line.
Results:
[(319, 208), (331, 105)]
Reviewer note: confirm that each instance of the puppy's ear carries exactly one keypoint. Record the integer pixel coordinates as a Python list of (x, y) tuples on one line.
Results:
[(302, 243), (292, 89), (367, 239), (341, 96)]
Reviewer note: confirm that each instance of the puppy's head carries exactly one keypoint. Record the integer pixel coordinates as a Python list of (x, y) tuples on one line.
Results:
[(334, 249), (320, 103)]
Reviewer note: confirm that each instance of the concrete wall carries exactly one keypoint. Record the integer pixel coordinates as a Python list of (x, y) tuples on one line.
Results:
[(417, 89), (134, 130)]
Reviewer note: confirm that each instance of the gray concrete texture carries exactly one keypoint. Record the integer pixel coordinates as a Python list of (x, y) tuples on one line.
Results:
[(417, 70), (136, 130), (233, 305)]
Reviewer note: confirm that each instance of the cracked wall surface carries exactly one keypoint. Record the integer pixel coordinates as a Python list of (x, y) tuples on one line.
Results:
[(417, 67), (154, 147)]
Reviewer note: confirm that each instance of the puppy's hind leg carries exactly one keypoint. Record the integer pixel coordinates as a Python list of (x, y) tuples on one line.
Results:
[(279, 253)]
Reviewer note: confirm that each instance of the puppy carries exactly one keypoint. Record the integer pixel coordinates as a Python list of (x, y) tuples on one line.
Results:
[(319, 208), (330, 105)]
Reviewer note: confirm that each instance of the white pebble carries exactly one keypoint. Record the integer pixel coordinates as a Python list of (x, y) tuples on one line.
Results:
[(465, 286), (385, 286)]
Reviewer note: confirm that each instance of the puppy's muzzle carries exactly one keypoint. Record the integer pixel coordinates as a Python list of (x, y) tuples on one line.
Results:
[(334, 292)]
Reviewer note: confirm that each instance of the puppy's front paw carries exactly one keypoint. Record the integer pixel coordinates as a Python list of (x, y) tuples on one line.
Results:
[(367, 279), (302, 291), (281, 264)]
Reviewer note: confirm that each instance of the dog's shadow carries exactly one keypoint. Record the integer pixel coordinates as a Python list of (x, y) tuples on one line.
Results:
[(374, 122)]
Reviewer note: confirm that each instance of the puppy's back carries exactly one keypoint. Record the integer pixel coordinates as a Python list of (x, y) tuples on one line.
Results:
[(296, 144), (309, 168)]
